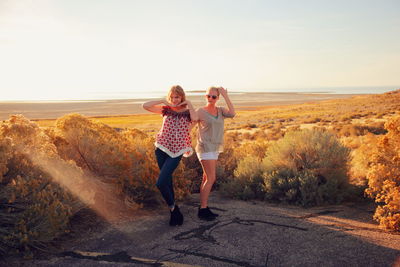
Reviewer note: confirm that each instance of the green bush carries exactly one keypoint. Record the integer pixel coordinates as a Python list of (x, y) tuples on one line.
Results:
[(233, 153), (305, 167), (248, 180)]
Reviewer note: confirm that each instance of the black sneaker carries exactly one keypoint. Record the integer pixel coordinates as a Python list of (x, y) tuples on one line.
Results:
[(176, 217), (206, 214)]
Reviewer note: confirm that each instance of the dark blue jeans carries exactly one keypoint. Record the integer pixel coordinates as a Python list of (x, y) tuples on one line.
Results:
[(164, 183)]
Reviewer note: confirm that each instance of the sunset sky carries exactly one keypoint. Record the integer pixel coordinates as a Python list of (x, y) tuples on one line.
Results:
[(54, 49)]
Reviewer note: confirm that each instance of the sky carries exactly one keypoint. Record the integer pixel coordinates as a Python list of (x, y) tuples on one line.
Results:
[(55, 49)]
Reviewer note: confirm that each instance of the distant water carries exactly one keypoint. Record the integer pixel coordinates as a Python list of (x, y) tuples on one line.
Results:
[(160, 94), (113, 95), (336, 90)]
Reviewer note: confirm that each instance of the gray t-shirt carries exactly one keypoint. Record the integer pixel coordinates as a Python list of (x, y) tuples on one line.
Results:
[(210, 136)]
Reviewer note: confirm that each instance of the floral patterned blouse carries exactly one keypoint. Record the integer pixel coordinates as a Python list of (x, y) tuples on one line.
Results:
[(174, 135)]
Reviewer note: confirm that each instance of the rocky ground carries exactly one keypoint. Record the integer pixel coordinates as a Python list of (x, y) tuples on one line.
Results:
[(245, 234)]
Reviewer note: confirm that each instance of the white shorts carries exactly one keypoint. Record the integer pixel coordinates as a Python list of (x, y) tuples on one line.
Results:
[(208, 155)]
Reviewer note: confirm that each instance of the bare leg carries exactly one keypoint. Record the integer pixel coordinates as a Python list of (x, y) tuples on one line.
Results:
[(209, 177)]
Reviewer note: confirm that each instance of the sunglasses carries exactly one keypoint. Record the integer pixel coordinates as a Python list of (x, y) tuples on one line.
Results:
[(212, 96)]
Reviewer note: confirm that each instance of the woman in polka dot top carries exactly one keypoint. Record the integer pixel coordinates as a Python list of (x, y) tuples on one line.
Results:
[(172, 142)]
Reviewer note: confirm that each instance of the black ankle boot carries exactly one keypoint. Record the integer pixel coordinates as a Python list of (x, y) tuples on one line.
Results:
[(206, 214), (176, 217), (212, 213)]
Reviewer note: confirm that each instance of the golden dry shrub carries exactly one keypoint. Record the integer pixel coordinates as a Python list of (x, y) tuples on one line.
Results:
[(193, 173), (363, 147), (183, 180), (5, 155), (144, 173), (125, 159), (34, 209), (226, 161), (108, 155), (96, 147), (256, 149), (384, 177)]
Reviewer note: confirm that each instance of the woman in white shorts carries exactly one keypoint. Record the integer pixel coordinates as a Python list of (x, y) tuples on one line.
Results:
[(210, 143)]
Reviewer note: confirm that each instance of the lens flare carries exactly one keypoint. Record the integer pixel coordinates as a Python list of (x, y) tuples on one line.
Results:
[(97, 195)]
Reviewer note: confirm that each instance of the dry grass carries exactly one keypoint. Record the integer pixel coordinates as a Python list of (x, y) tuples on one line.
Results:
[(146, 122), (328, 113)]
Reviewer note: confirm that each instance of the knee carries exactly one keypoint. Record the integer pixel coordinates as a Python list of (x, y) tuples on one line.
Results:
[(209, 178)]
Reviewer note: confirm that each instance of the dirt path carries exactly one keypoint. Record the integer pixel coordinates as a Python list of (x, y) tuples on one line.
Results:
[(245, 234)]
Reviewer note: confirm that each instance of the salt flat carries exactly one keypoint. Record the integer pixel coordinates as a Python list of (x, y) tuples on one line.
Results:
[(56, 109)]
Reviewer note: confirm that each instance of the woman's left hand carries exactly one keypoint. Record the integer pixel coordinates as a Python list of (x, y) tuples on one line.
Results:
[(223, 91)]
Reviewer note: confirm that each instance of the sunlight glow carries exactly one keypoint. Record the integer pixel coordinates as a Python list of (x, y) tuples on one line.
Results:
[(61, 49)]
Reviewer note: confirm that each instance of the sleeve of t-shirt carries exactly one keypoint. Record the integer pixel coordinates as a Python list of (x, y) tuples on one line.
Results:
[(225, 113), (199, 117)]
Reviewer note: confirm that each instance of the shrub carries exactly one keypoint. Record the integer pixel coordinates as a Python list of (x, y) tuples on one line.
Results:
[(142, 171), (275, 133), (384, 177), (286, 186), (192, 173), (93, 146), (306, 167), (226, 161), (364, 147), (250, 126), (34, 209), (247, 183), (47, 176), (312, 120), (234, 152), (358, 130), (120, 158), (125, 158)]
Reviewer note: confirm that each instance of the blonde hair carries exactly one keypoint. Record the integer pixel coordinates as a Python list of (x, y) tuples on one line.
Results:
[(213, 88), (176, 89)]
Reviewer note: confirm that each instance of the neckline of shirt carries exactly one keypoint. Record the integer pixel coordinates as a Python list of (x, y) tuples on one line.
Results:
[(214, 116)]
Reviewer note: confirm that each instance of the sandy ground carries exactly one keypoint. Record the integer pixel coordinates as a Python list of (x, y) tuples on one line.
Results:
[(53, 110), (251, 234)]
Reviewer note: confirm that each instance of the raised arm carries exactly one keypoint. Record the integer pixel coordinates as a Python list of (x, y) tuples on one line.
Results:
[(155, 105), (189, 106), (231, 108)]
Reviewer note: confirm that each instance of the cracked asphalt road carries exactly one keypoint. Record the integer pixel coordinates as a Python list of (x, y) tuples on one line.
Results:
[(249, 234)]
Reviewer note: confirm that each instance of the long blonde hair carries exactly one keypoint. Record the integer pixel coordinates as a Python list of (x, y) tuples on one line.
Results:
[(176, 89)]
